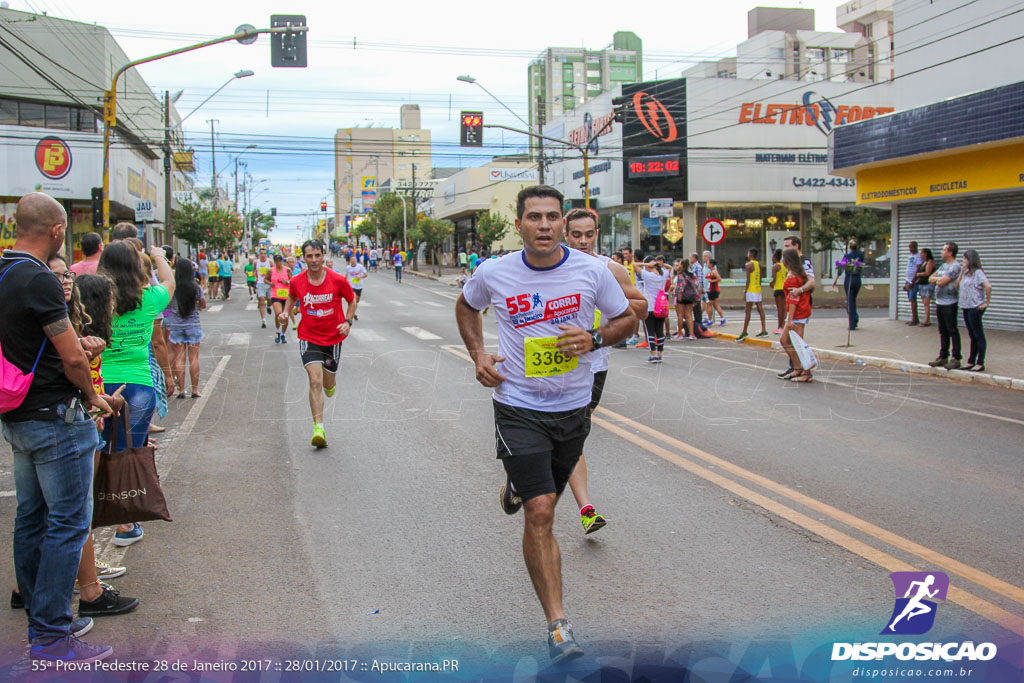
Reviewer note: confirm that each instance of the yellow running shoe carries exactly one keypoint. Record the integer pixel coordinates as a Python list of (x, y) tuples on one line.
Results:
[(592, 521), (319, 436), (330, 392)]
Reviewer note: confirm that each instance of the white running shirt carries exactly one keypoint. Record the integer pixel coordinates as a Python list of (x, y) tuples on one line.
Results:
[(355, 274), (529, 304), (600, 361)]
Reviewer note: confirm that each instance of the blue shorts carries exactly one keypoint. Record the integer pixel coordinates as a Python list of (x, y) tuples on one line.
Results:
[(912, 293)]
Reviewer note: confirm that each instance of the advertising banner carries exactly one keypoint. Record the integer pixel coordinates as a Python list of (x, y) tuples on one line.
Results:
[(64, 164), (760, 140)]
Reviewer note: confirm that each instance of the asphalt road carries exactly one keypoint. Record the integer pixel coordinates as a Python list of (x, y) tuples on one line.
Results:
[(740, 507)]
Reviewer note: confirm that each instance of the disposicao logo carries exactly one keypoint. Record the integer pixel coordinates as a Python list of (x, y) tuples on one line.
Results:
[(913, 613)]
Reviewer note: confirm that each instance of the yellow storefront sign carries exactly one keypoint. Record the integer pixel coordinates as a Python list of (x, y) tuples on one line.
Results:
[(997, 168)]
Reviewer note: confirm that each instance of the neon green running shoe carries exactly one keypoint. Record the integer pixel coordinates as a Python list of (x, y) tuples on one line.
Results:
[(592, 521), (319, 437), (330, 392)]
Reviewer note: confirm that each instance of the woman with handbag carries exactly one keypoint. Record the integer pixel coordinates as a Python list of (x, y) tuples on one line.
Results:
[(655, 288), (925, 289), (127, 360), (686, 297)]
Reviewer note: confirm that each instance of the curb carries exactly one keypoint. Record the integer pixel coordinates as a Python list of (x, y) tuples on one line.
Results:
[(423, 275), (896, 364)]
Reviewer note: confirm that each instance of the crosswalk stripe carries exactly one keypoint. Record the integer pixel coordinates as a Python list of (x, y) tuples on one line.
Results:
[(490, 335), (363, 334), (237, 339), (398, 303), (216, 308), (420, 333), (365, 304), (432, 303), (251, 306)]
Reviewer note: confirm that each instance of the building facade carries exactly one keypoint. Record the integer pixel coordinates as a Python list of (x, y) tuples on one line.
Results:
[(949, 162), (51, 127), (563, 78), (367, 157)]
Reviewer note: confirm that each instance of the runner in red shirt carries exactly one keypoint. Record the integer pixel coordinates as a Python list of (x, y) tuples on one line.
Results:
[(319, 291)]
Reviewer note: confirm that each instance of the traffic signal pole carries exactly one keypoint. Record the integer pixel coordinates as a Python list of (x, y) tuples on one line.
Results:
[(110, 97)]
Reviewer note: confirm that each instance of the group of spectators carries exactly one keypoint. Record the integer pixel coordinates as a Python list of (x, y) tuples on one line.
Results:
[(110, 333), (955, 286)]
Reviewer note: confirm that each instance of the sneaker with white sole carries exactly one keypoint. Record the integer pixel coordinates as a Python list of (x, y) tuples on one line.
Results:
[(123, 539), (507, 498), (106, 571), (721, 322)]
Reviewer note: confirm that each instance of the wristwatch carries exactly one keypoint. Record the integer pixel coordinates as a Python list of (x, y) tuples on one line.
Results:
[(596, 339)]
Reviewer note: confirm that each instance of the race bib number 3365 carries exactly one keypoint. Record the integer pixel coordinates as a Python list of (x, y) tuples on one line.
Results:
[(543, 359)]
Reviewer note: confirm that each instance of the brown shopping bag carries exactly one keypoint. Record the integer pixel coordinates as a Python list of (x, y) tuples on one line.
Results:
[(126, 487)]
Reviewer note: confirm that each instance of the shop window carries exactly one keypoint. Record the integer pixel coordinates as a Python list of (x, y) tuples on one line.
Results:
[(58, 116), (8, 112), (31, 114)]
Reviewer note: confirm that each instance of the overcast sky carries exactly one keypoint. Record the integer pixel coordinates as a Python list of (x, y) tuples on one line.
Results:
[(344, 87)]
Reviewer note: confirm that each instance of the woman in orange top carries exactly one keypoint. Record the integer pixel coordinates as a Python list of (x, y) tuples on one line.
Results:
[(798, 311)]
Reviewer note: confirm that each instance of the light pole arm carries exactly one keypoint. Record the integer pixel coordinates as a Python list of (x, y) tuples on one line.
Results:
[(110, 97), (494, 97), (535, 135)]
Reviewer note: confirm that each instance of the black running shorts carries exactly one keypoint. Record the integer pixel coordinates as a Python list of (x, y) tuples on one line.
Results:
[(539, 449), (598, 389), (329, 356)]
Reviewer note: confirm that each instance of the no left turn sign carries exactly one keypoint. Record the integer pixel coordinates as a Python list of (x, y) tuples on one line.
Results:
[(713, 231)]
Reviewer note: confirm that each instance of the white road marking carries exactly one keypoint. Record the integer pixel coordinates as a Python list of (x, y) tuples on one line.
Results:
[(453, 297), (216, 308), (365, 304), (420, 333), (489, 335), (432, 303), (397, 303), (8, 494), (363, 334), (898, 397), (251, 306), (237, 339)]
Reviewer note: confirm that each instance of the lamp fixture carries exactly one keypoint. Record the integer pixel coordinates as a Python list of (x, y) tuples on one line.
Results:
[(772, 220)]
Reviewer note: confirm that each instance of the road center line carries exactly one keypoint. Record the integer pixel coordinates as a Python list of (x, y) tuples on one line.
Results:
[(899, 397), (975, 575), (961, 597)]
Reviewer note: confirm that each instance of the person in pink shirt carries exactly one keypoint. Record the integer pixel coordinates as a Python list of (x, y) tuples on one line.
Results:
[(92, 247)]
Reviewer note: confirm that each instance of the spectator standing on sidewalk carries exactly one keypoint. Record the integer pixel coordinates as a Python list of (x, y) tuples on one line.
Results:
[(910, 286), (752, 295), (50, 431), (926, 290), (778, 278), (946, 301), (92, 245), (851, 264), (974, 297)]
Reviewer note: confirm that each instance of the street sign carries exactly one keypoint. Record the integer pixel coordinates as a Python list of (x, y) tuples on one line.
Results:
[(143, 211), (661, 207), (713, 231)]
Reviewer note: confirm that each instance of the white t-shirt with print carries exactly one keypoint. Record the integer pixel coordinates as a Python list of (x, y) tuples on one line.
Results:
[(532, 302), (600, 360), (355, 274)]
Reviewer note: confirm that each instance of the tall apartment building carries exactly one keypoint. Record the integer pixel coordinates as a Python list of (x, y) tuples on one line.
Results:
[(563, 78), (367, 157), (782, 44)]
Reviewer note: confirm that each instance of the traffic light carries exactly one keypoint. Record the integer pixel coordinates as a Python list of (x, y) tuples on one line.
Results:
[(323, 206), (97, 207), (288, 49), (472, 129), (619, 109)]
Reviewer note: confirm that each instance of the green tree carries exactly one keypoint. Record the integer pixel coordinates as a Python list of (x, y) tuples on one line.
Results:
[(216, 228), (432, 232), (837, 228), (260, 225), (386, 216), (491, 227)]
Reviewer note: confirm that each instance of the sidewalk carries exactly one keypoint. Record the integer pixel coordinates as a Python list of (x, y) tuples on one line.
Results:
[(893, 344)]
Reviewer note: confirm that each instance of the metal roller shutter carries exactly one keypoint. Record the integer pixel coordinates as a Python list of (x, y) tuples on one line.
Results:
[(991, 224)]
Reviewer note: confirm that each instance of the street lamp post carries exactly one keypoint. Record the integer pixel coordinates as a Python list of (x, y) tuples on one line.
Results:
[(540, 160)]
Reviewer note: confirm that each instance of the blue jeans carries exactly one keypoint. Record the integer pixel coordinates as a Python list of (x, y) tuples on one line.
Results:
[(141, 402), (53, 466), (398, 273), (851, 283), (976, 331)]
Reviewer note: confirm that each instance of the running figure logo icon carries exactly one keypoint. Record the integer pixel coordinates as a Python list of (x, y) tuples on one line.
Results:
[(914, 612)]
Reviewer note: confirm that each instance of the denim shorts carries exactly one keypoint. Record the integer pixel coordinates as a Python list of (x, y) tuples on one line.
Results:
[(926, 291), (187, 335), (912, 293)]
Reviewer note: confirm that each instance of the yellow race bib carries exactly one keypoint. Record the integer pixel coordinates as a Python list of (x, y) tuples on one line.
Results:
[(543, 359), (281, 293), (597, 319)]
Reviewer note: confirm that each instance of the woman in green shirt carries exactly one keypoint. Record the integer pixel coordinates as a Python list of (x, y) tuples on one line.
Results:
[(126, 360)]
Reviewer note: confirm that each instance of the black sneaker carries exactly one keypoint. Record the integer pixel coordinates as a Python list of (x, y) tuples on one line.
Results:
[(561, 642), (16, 601), (508, 499), (109, 604)]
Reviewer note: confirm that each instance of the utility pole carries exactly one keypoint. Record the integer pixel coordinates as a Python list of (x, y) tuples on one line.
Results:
[(213, 164), (168, 232), (406, 246), (540, 141), (236, 184)]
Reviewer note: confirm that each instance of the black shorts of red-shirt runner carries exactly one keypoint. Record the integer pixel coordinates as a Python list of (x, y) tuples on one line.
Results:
[(539, 449), (329, 356)]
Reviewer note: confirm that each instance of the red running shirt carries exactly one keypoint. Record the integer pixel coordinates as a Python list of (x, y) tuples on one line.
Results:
[(321, 306), (802, 301)]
